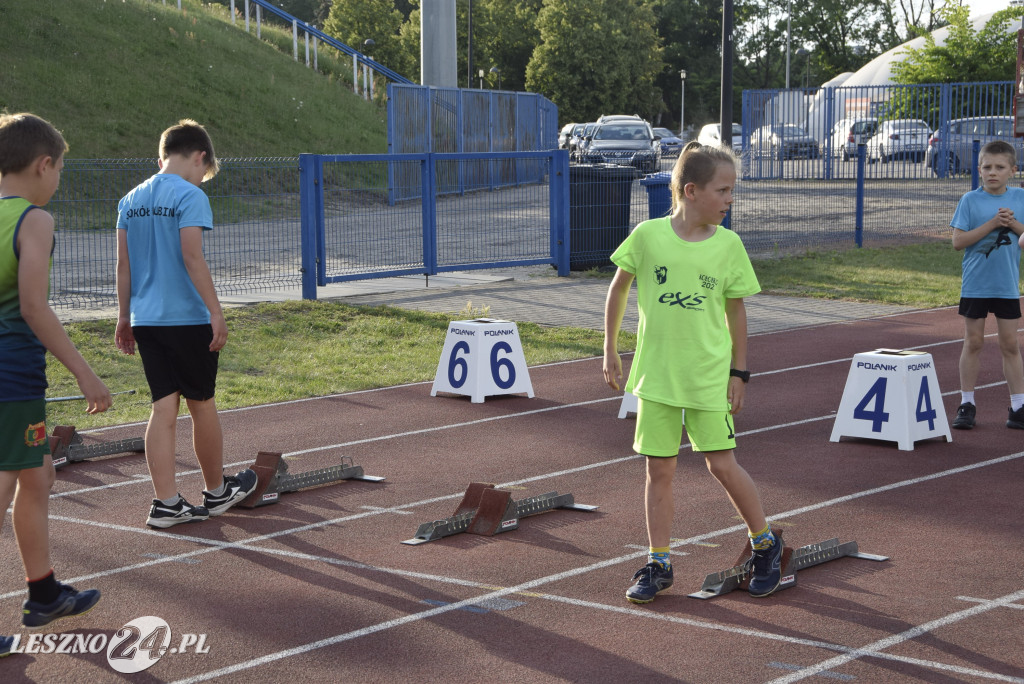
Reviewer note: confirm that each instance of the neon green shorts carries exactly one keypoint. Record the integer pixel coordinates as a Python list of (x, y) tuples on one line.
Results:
[(23, 440), (659, 429)]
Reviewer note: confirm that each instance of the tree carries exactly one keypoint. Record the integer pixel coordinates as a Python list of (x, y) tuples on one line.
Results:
[(966, 55), (597, 57), (508, 38), (354, 21)]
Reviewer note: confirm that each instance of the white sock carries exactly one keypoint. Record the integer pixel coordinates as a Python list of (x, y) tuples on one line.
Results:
[(218, 491), (171, 501), (1016, 401), (966, 397)]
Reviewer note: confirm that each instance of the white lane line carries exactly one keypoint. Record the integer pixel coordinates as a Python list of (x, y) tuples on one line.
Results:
[(896, 639), (526, 586), (1018, 606)]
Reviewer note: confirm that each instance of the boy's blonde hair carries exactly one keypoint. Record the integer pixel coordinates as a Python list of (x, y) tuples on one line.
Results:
[(999, 147), (697, 164), (26, 137), (187, 137)]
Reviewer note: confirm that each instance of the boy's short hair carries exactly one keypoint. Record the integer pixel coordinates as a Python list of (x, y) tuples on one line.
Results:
[(1000, 147), (187, 137), (26, 137), (697, 164)]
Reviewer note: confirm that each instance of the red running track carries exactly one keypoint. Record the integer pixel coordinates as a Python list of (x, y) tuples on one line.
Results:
[(319, 588)]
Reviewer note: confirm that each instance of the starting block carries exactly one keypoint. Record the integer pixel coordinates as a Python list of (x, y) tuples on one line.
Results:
[(738, 576), (274, 479), (892, 395), (481, 358), (67, 446), (488, 511)]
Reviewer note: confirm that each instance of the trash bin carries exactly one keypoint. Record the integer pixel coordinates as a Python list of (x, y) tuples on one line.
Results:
[(659, 197), (599, 198)]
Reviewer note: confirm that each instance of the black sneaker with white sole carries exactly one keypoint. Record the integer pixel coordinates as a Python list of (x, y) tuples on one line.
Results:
[(236, 488), (163, 516)]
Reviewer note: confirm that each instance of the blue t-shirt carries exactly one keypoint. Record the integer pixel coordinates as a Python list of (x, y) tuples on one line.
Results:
[(153, 215), (991, 266)]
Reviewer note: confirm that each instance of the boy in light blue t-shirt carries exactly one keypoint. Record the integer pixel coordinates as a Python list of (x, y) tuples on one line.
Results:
[(986, 228), (168, 305)]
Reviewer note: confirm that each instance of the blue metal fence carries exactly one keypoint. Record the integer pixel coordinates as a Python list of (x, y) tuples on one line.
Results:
[(425, 119), (351, 231), (953, 114)]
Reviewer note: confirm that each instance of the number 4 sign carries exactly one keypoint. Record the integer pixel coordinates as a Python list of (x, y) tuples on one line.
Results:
[(481, 358), (892, 395)]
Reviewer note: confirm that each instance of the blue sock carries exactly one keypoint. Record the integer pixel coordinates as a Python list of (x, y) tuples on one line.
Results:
[(660, 556)]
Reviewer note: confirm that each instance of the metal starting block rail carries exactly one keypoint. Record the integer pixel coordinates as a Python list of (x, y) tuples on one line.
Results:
[(718, 583), (274, 478), (488, 511), (67, 446)]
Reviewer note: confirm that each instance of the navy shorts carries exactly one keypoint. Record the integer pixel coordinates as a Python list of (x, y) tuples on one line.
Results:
[(981, 307), (177, 358)]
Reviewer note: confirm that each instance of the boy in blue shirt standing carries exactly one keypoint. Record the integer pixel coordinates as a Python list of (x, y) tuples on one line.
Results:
[(986, 227), (168, 305), (31, 159)]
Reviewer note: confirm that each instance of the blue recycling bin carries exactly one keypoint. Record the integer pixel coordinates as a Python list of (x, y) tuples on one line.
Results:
[(659, 196)]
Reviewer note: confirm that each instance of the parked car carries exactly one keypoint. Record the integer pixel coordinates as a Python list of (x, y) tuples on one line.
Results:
[(848, 133), (671, 144), (626, 143), (564, 135), (956, 148), (783, 141), (711, 135), (610, 118), (577, 143), (899, 138)]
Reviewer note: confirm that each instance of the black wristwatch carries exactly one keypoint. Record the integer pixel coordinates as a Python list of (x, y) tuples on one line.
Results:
[(742, 375)]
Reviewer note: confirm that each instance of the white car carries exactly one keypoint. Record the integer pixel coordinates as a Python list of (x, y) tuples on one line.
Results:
[(899, 138), (850, 132), (711, 136)]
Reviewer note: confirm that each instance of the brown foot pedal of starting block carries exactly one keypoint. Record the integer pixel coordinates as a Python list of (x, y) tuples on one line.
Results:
[(738, 576), (273, 478), (487, 511), (66, 446)]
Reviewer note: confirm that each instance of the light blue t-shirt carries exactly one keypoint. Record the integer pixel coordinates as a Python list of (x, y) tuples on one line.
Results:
[(153, 214), (991, 266)]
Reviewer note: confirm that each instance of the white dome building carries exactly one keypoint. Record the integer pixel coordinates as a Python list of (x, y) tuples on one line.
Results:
[(846, 101)]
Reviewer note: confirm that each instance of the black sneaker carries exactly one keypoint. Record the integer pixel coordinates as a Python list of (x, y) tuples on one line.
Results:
[(651, 580), (6, 644), (766, 567), (68, 603), (163, 516), (965, 417), (1016, 419), (236, 488)]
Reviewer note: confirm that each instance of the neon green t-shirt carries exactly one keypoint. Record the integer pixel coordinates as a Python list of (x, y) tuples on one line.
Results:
[(683, 348)]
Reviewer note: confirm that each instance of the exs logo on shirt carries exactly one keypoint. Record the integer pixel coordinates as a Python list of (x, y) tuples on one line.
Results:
[(690, 302)]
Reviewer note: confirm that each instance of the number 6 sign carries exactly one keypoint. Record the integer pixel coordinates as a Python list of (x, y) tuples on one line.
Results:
[(892, 395), (481, 358)]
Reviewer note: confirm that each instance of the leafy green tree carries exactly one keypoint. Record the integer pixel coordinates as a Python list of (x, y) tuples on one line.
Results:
[(966, 55), (508, 39), (354, 21), (597, 57), (691, 31)]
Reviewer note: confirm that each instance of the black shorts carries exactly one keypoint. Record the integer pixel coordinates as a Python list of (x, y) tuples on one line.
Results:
[(981, 307), (177, 358)]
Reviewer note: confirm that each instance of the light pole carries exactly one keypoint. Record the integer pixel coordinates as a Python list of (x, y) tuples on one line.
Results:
[(367, 83), (806, 54), (495, 70), (682, 101), (789, 36)]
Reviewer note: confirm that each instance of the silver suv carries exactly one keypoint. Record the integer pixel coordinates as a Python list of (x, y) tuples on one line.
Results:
[(950, 152)]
